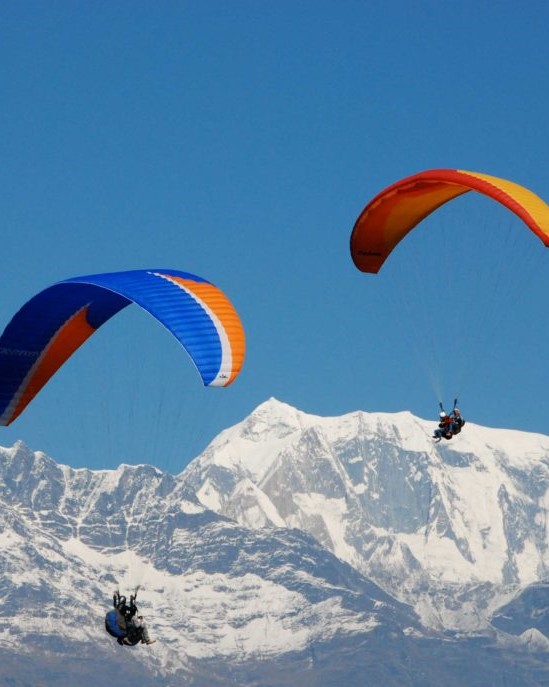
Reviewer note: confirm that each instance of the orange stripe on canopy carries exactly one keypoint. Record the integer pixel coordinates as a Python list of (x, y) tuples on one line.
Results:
[(395, 211), (231, 330), (63, 344)]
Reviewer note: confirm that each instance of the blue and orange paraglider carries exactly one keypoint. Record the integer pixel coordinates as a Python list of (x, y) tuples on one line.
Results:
[(395, 211), (51, 326)]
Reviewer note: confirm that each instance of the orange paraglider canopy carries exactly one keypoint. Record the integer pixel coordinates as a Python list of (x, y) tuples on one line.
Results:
[(395, 211)]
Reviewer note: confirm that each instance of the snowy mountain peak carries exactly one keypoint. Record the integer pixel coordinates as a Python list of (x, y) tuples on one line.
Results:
[(374, 489), (535, 640), (293, 536), (272, 415)]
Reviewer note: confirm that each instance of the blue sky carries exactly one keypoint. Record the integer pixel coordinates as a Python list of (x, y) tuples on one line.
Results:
[(240, 141)]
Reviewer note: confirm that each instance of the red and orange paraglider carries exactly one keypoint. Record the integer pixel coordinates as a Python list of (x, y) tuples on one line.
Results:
[(395, 211)]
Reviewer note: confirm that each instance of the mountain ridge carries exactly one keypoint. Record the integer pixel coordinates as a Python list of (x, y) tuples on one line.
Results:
[(471, 510), (294, 547)]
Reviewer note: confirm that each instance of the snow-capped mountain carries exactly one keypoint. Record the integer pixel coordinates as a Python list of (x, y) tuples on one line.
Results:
[(213, 590), (454, 529), (296, 548)]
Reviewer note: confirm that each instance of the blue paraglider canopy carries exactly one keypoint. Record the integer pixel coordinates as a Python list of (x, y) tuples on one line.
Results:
[(50, 327)]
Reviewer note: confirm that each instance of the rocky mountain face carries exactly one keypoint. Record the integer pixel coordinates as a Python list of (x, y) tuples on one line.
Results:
[(454, 529), (296, 548), (213, 591)]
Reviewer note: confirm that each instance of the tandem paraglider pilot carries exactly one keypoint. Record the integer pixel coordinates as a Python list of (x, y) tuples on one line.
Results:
[(449, 425), (124, 624)]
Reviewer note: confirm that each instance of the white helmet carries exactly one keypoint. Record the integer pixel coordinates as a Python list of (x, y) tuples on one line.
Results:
[(442, 413)]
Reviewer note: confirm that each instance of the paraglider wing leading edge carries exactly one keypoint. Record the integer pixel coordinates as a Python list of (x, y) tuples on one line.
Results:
[(391, 214)]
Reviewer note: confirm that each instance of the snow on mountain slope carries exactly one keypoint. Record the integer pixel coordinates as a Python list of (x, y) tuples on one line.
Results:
[(452, 528), (252, 594), (211, 589)]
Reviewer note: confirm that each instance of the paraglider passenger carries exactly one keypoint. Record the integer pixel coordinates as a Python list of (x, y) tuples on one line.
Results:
[(124, 625), (141, 630), (449, 425), (457, 421), (444, 427)]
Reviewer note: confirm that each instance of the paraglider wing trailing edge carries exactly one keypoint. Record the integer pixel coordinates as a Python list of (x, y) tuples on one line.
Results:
[(53, 324), (396, 210)]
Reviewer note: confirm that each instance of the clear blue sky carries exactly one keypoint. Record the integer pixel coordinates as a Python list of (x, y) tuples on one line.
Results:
[(240, 141)]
